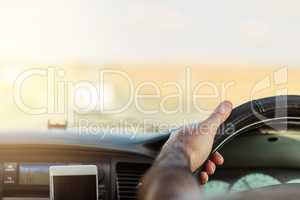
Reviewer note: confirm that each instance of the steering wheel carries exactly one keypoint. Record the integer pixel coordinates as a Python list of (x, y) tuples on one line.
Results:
[(277, 112)]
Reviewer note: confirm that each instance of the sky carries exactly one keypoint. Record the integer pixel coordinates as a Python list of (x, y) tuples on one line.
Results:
[(255, 37), (105, 31)]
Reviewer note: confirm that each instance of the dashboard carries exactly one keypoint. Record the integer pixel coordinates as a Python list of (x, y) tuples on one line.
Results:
[(251, 161), (238, 180), (25, 159), (24, 170)]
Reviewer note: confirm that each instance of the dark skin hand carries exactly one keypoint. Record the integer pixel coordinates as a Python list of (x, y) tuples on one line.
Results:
[(186, 150)]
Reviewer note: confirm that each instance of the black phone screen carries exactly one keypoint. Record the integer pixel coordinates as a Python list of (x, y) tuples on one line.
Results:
[(78, 187)]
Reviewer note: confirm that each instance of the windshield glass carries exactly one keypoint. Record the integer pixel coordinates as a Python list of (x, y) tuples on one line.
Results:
[(142, 66)]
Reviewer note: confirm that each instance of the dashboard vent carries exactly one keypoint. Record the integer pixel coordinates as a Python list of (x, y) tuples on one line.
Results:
[(128, 178)]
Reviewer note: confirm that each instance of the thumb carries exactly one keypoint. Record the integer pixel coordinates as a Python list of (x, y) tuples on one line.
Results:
[(220, 114)]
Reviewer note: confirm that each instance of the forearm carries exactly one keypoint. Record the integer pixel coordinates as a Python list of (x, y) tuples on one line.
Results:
[(170, 178)]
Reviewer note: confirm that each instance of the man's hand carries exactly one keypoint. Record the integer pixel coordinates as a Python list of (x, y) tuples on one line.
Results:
[(197, 140), (185, 151)]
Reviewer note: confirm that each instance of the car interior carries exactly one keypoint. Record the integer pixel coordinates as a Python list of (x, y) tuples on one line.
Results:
[(91, 90), (262, 156)]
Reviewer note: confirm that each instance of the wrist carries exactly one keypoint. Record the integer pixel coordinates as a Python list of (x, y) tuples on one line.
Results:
[(174, 155)]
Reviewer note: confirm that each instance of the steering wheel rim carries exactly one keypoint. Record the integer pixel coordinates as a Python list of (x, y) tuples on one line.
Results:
[(276, 112)]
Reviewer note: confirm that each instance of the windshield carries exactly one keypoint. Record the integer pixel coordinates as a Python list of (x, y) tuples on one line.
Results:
[(143, 66)]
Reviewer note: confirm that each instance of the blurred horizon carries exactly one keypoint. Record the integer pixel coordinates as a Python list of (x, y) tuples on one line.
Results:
[(232, 49), (220, 82)]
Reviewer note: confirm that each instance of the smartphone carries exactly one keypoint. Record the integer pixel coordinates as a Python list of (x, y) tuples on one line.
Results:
[(73, 182)]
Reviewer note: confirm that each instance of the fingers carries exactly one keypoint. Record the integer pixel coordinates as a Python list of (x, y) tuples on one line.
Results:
[(217, 158), (210, 167), (220, 114), (203, 178)]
